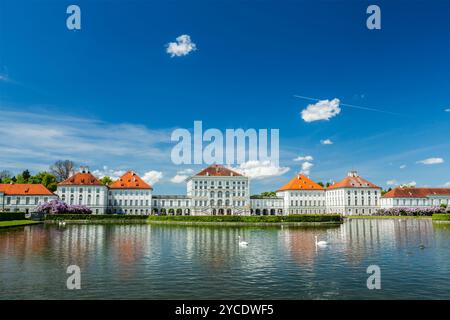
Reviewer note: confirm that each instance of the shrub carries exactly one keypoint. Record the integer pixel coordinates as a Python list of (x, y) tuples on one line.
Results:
[(8, 216), (60, 207), (412, 211)]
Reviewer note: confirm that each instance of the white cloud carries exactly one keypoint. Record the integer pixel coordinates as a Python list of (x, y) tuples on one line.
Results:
[(431, 161), (409, 184), (447, 184), (447, 110), (152, 176), (322, 110), (403, 166), (326, 141), (306, 167), (105, 171), (183, 46), (35, 139), (257, 169), (305, 158), (391, 182), (182, 175), (179, 178)]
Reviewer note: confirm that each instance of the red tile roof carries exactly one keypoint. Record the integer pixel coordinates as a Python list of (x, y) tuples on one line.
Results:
[(416, 192), (301, 182), (353, 182), (25, 190), (130, 180), (81, 178), (218, 170)]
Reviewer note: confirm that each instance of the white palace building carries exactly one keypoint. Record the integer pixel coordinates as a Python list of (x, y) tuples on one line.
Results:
[(217, 190)]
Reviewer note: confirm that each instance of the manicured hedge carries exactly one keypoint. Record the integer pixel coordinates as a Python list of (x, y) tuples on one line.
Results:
[(441, 217), (66, 216), (255, 219), (7, 216)]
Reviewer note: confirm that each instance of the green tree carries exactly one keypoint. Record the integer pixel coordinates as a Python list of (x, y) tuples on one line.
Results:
[(268, 194), (320, 183), (45, 178), (19, 178), (26, 176), (106, 180)]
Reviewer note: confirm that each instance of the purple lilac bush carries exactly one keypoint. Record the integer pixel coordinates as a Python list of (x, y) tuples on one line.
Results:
[(60, 207), (412, 211)]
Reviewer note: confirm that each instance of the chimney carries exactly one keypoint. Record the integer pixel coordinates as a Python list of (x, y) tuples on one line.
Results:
[(352, 173), (84, 169)]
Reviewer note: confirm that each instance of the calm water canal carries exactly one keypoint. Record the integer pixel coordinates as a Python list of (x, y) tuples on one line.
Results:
[(178, 262)]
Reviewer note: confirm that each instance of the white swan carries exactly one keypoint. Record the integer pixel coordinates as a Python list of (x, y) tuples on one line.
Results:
[(61, 223), (242, 243), (321, 243)]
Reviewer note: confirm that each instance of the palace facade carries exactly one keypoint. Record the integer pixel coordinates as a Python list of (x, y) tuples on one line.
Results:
[(353, 195), (416, 198), (217, 190), (23, 197)]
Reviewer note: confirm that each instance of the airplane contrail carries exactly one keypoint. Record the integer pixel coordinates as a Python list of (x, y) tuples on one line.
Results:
[(350, 105)]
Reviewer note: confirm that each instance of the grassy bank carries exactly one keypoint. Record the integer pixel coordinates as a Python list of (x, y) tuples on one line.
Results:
[(121, 218), (16, 223), (441, 217)]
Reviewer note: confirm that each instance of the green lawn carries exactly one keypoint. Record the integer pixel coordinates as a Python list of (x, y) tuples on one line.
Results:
[(16, 223)]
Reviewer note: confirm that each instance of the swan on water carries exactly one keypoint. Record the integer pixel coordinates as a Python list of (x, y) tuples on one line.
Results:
[(242, 243), (321, 243)]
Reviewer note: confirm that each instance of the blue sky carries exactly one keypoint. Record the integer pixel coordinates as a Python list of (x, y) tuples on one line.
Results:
[(109, 95)]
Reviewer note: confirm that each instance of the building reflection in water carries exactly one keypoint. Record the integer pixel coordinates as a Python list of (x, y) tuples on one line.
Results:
[(209, 248), (127, 244), (362, 238), (126, 250), (300, 242), (358, 239)]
